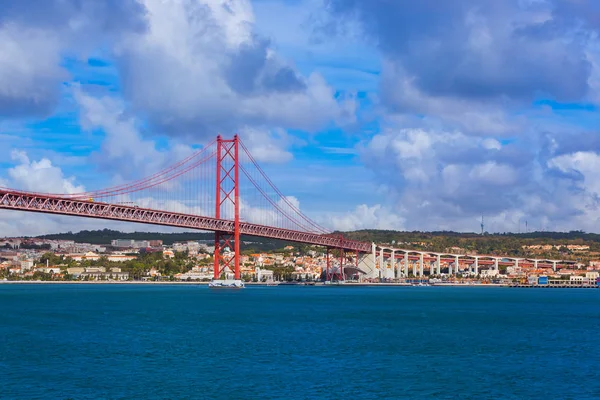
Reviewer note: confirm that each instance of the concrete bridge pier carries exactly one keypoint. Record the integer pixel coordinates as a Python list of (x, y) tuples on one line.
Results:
[(496, 264), (381, 264), (367, 263), (421, 265), (406, 264), (438, 266), (456, 265)]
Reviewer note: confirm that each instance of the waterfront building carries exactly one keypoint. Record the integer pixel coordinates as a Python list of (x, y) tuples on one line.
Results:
[(75, 271), (196, 273), (592, 275), (264, 275), (100, 273)]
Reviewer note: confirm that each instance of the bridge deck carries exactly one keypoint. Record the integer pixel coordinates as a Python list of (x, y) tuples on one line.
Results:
[(32, 202)]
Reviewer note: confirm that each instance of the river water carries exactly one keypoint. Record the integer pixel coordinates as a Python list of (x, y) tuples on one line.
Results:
[(192, 342)]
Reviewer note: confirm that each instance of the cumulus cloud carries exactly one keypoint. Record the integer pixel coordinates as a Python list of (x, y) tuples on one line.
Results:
[(128, 154), (29, 70), (40, 176), (267, 146), (200, 68), (189, 67), (464, 48), (124, 150), (34, 37), (441, 180), (471, 66), (581, 167), (367, 217)]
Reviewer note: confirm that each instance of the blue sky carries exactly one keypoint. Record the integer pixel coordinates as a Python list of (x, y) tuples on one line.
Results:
[(378, 114)]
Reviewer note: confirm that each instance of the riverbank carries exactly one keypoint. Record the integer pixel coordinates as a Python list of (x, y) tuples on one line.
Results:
[(320, 284), (293, 284)]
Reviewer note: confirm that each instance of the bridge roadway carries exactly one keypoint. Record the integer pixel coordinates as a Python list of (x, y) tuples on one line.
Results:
[(47, 204)]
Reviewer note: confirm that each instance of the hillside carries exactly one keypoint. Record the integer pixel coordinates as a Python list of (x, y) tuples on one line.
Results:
[(105, 236), (510, 244), (503, 244)]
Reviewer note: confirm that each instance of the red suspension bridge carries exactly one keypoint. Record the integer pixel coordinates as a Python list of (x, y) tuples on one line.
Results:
[(218, 188)]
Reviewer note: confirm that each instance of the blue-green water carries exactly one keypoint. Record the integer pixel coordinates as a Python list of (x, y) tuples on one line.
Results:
[(190, 342)]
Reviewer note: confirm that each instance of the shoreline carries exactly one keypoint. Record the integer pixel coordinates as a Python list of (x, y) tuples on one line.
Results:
[(316, 284), (285, 284)]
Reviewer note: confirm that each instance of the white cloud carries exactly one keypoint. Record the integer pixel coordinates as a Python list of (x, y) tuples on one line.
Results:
[(40, 176), (34, 40), (493, 173), (267, 146), (209, 72), (124, 151), (585, 166), (367, 217), (441, 180), (491, 143), (478, 117), (29, 70)]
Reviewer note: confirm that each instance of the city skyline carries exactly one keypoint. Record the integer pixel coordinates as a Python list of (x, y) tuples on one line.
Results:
[(371, 117)]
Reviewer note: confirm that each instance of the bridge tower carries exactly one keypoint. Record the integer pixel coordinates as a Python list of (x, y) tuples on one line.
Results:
[(227, 206)]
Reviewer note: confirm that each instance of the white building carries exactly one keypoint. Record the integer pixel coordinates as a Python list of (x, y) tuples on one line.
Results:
[(592, 275), (264, 275), (193, 276), (26, 265), (490, 273), (100, 273)]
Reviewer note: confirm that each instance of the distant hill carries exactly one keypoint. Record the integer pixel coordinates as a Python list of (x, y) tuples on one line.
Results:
[(510, 243), (380, 236), (105, 236), (386, 236)]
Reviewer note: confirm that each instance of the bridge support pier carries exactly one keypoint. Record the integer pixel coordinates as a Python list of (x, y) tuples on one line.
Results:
[(367, 263), (327, 265), (342, 258), (456, 265), (421, 266)]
